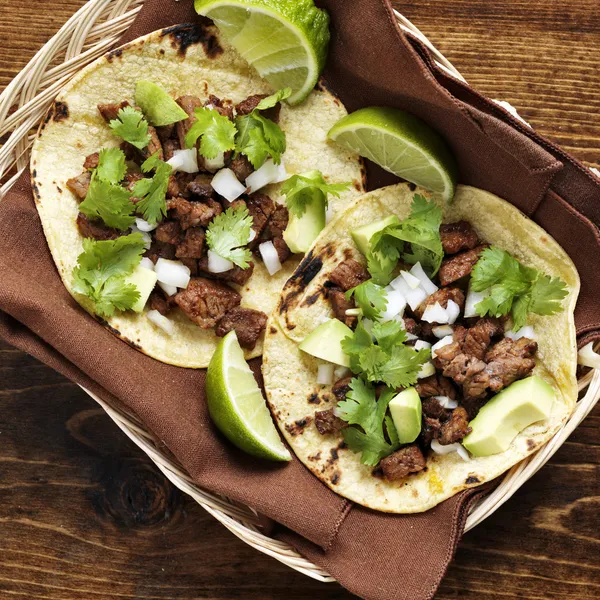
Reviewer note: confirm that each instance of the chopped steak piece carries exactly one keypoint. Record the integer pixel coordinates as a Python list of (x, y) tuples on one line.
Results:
[(169, 147), (168, 232), (178, 185), (455, 428), (341, 387), (153, 146), (283, 251), (430, 430), (167, 132), (110, 112), (192, 245), (435, 385), (91, 161), (277, 223), (248, 325), (205, 301), (433, 409), (478, 338), (245, 107), (192, 214), (158, 302), (402, 462), (200, 187), (348, 274), (472, 405), (458, 236), (427, 332), (326, 422), (510, 360), (79, 185), (95, 229), (160, 250), (242, 167), (131, 178), (462, 368), (191, 264), (236, 275), (225, 110), (340, 305), (411, 326), (443, 295), (131, 152), (189, 104), (459, 266), (260, 208)]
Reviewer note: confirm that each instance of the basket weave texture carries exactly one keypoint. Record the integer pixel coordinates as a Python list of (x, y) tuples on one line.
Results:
[(89, 33)]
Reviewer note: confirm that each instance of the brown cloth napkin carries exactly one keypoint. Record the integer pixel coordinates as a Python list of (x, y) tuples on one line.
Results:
[(371, 62)]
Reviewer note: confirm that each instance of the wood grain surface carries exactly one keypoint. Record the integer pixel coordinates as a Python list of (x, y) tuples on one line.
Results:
[(85, 515)]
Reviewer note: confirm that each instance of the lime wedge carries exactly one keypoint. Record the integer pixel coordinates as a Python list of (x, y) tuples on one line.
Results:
[(236, 404), (400, 143), (286, 42)]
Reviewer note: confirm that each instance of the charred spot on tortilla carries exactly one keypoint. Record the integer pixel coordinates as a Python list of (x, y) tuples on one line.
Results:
[(412, 187), (36, 191), (314, 399), (116, 53), (470, 480), (334, 456), (357, 185), (112, 329), (188, 34), (307, 270), (335, 478), (315, 457), (59, 190), (273, 330), (61, 111), (298, 426), (312, 298), (531, 445)]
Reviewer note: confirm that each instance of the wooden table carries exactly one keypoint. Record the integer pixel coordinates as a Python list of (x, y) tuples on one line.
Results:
[(85, 515)]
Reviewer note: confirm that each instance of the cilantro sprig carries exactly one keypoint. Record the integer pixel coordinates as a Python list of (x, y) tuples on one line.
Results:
[(228, 232), (370, 297), (306, 188), (153, 191), (102, 269), (111, 165), (131, 126), (514, 288), (216, 133)]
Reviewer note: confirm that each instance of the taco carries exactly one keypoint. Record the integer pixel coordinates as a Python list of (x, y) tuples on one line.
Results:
[(157, 176), (421, 349)]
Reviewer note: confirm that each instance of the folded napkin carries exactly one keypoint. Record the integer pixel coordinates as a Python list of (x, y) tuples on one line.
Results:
[(374, 555)]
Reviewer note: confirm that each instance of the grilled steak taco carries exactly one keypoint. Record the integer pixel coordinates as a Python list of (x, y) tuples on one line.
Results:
[(157, 176), (419, 350)]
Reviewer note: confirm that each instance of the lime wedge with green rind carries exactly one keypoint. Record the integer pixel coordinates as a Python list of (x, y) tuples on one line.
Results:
[(286, 42), (236, 404), (402, 144)]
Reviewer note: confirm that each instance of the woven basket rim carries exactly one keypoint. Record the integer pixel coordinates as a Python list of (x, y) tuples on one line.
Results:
[(93, 30)]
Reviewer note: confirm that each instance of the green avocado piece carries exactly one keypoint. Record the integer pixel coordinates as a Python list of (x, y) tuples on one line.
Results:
[(362, 235), (302, 231), (156, 104), (405, 409), (500, 420), (326, 342), (144, 280)]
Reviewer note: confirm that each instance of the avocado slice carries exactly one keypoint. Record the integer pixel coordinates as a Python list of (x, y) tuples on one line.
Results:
[(156, 104), (405, 409), (500, 420), (326, 342), (302, 231), (144, 280), (362, 235)]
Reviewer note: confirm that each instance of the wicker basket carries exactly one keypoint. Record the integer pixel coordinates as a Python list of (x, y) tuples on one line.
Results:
[(88, 34)]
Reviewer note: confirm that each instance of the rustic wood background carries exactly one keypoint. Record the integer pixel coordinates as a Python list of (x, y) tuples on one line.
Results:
[(85, 515)]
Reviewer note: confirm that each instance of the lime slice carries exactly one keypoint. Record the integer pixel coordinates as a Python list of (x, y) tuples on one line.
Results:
[(400, 143), (236, 404), (286, 42)]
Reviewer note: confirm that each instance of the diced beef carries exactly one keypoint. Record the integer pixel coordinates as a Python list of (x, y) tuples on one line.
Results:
[(131, 179), (193, 214), (205, 301), (260, 208), (242, 167), (510, 360), (458, 236), (430, 430), (435, 385), (178, 185), (398, 465), (460, 265), (433, 409), (200, 188), (153, 146), (340, 304), (79, 185), (167, 132), (192, 245), (478, 338), (461, 368), (455, 428), (427, 332), (158, 302), (411, 326), (110, 112), (160, 250), (95, 229), (326, 422), (169, 147), (283, 251), (225, 110), (91, 161), (277, 224), (248, 324), (168, 232), (341, 387), (131, 152), (245, 107), (189, 104), (191, 264), (348, 274), (443, 295), (236, 275)]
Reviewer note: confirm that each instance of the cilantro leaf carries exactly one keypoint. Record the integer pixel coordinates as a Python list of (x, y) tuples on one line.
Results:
[(108, 202), (301, 190), (153, 192), (131, 126), (102, 269), (546, 294), (216, 133), (398, 368), (370, 297), (356, 344), (389, 334), (111, 165), (227, 232), (274, 99)]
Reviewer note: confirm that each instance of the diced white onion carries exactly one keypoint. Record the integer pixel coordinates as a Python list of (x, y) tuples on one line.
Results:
[(226, 184), (443, 342), (400, 284), (216, 163), (147, 263), (526, 331), (426, 283), (252, 235), (588, 358), (270, 257), (442, 331), (410, 336), (426, 370), (463, 453), (184, 160), (144, 226), (170, 290), (353, 312), (472, 299), (145, 236), (396, 303), (340, 372), (160, 321), (218, 264), (434, 313), (449, 448), (268, 173), (412, 281), (172, 272), (415, 297), (325, 374), (453, 311), (447, 402), (419, 344)]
